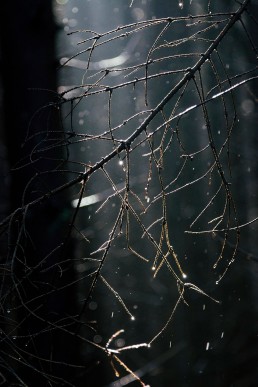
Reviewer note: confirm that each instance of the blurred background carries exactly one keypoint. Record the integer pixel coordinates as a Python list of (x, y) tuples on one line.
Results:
[(46, 323)]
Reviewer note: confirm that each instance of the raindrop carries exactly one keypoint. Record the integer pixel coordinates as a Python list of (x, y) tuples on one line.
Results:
[(120, 343), (207, 346), (181, 4), (72, 23), (248, 106), (138, 13), (93, 305), (97, 339)]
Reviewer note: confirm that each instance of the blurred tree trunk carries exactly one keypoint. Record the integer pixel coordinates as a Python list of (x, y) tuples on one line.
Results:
[(29, 83)]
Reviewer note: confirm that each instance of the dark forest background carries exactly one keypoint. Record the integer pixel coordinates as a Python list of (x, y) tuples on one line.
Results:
[(64, 307)]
